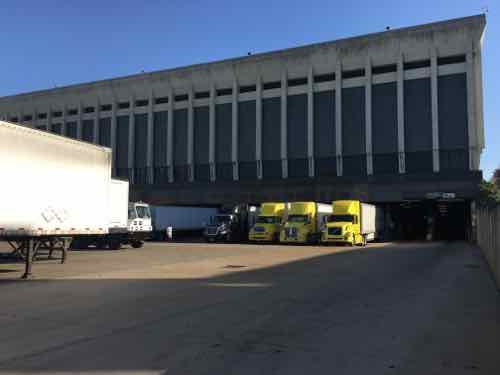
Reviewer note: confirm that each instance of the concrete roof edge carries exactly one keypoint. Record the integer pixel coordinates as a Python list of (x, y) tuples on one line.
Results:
[(478, 20)]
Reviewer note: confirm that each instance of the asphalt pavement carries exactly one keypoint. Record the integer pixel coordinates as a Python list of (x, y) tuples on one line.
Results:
[(414, 308)]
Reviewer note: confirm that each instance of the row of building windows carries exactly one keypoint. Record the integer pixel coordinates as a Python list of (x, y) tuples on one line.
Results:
[(382, 69)]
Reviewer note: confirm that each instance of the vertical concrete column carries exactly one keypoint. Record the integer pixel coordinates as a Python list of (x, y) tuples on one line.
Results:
[(258, 126), (79, 121), (170, 135), (113, 133), (150, 146), (234, 133), (310, 120), (131, 139), (97, 116), (284, 133), (434, 111), (34, 121), (338, 117), (401, 115), (190, 135), (63, 119), (211, 133), (471, 110), (368, 117), (49, 119)]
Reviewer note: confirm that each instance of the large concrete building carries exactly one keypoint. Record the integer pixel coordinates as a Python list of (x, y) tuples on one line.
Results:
[(386, 117)]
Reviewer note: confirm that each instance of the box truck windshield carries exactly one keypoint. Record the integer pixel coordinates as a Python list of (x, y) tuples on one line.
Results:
[(268, 220), (143, 212), (298, 218), (340, 218)]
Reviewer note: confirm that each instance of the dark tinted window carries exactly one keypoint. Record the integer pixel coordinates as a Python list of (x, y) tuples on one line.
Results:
[(27, 118), (89, 110), (57, 114), (297, 81), (202, 95), (324, 77), (272, 85), (141, 103), (223, 92), (72, 112), (456, 59), (181, 98), (162, 100), (353, 73), (42, 116), (124, 105), (106, 107), (384, 69), (417, 64), (250, 88)]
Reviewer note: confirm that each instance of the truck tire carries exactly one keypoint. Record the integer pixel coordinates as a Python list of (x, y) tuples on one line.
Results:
[(137, 244)]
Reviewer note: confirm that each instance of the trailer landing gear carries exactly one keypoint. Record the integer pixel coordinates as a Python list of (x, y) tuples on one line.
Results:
[(28, 249)]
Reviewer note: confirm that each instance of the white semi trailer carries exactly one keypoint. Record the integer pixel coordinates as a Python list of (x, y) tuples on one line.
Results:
[(180, 219), (55, 190)]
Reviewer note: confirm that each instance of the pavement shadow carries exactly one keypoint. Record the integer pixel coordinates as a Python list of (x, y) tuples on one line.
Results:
[(241, 322)]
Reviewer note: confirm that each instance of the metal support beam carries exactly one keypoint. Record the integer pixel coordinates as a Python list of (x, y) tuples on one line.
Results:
[(310, 120), (170, 135), (338, 117), (190, 135), (434, 110), (150, 145), (258, 126), (211, 133), (131, 140), (368, 117), (401, 115), (284, 128), (234, 133)]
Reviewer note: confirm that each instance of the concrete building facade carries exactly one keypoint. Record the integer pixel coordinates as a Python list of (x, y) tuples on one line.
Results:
[(386, 117)]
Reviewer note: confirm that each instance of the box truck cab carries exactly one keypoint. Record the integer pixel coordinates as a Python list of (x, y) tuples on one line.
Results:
[(352, 223), (304, 223), (139, 218), (268, 224)]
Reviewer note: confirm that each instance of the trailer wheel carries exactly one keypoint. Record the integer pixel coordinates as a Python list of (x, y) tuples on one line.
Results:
[(137, 244)]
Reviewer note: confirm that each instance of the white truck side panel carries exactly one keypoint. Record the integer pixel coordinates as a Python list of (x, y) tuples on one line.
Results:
[(51, 185), (118, 204), (322, 210), (368, 218), (181, 218)]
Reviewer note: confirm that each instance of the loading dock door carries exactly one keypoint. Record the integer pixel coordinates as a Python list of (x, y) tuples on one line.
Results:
[(452, 220)]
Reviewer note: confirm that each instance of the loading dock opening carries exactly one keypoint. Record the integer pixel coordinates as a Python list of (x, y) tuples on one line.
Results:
[(443, 220)]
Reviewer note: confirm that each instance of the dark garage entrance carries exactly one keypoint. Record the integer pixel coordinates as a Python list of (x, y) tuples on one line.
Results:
[(428, 220)]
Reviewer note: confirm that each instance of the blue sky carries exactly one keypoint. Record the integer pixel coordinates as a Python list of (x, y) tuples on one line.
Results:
[(61, 42)]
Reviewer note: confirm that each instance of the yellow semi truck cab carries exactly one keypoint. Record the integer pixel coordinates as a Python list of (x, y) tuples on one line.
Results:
[(304, 223), (352, 222), (268, 224)]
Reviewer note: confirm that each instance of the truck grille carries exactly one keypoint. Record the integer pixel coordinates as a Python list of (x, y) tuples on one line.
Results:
[(334, 231), (259, 229), (211, 231), (291, 232)]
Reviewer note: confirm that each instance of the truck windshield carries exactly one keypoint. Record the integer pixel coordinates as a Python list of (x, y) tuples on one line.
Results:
[(221, 219), (143, 212), (298, 218), (268, 220), (340, 218)]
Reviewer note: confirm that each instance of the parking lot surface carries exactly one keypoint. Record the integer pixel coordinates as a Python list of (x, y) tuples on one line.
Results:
[(169, 308)]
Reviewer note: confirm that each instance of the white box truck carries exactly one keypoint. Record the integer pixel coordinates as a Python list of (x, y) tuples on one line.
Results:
[(55, 190), (352, 222)]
